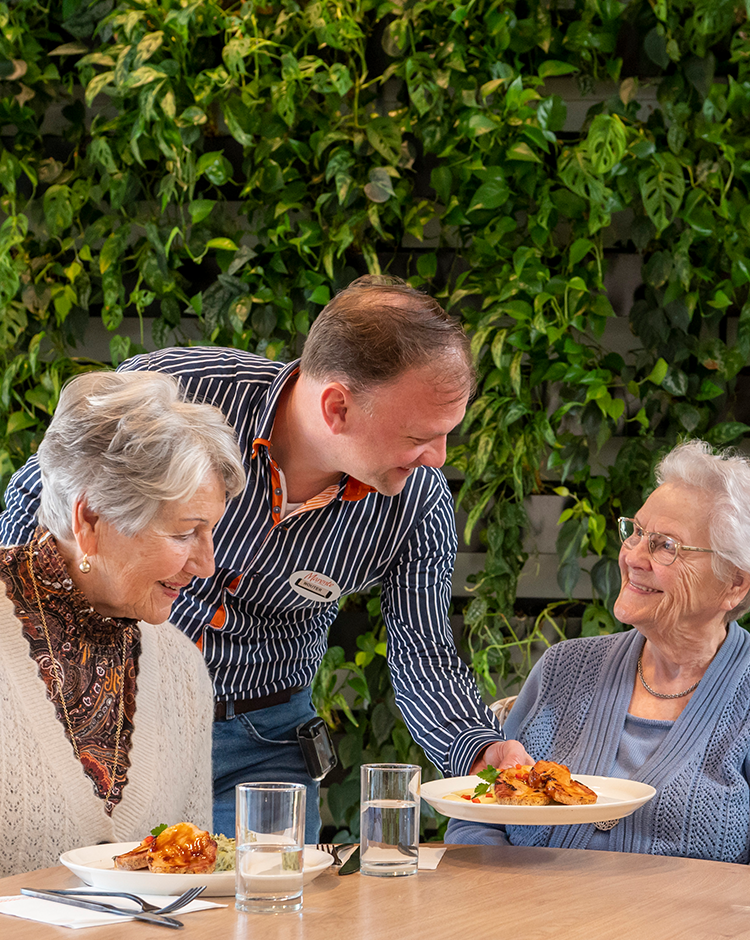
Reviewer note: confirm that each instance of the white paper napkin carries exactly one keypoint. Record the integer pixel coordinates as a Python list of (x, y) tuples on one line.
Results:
[(63, 915), (345, 851), (429, 856)]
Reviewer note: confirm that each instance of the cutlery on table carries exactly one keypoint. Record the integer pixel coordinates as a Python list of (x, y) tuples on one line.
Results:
[(342, 867), (330, 848), (351, 864), (102, 908), (190, 895)]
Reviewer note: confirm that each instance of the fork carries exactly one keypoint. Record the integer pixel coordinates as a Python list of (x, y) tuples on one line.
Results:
[(190, 895), (331, 849)]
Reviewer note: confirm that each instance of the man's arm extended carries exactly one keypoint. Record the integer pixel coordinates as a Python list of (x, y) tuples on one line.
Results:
[(18, 522), (435, 691)]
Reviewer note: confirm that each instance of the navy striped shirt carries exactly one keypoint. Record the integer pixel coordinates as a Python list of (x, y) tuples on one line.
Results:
[(258, 634)]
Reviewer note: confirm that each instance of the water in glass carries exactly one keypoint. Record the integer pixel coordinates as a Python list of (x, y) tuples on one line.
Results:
[(269, 877)]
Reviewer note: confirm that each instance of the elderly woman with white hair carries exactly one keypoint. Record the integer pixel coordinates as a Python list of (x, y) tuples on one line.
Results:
[(107, 709), (667, 703)]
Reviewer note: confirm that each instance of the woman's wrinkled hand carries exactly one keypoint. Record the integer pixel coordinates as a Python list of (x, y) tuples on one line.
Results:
[(500, 755)]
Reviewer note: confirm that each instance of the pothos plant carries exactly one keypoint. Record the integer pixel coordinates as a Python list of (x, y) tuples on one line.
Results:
[(214, 171), (552, 393)]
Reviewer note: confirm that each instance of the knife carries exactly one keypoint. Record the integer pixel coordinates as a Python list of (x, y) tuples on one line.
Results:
[(351, 864), (159, 919)]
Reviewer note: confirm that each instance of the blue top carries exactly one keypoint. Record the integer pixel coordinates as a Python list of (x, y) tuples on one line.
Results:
[(640, 738), (574, 709), (258, 633)]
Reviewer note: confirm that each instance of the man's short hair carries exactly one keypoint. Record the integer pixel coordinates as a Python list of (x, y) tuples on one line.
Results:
[(378, 328)]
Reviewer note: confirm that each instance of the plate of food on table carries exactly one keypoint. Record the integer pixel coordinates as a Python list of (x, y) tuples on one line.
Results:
[(170, 860), (540, 794)]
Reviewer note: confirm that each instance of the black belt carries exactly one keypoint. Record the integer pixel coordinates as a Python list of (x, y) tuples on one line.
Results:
[(242, 705)]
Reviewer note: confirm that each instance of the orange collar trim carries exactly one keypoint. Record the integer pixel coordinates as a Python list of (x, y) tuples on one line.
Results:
[(353, 490), (256, 444)]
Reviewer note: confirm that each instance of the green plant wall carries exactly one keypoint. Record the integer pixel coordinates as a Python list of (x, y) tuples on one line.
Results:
[(218, 170)]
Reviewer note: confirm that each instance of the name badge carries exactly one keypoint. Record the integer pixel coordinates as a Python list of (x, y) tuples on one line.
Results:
[(315, 586)]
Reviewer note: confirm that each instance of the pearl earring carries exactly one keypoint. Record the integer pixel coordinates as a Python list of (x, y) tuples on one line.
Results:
[(85, 564)]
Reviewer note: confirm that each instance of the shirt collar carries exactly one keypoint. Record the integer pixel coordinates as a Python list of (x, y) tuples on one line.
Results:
[(267, 416)]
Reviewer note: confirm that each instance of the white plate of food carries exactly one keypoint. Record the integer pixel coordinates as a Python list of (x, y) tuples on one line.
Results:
[(94, 865), (616, 798)]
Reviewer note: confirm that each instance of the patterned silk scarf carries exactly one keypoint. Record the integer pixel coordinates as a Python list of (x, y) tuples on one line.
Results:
[(88, 648)]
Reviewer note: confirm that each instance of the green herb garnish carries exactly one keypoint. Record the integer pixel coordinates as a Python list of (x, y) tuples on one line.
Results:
[(490, 774), (157, 830)]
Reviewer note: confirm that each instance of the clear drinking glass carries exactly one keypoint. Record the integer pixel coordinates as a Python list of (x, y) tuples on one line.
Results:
[(270, 847), (389, 819)]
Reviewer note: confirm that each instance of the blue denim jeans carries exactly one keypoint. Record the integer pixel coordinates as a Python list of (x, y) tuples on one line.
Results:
[(261, 746)]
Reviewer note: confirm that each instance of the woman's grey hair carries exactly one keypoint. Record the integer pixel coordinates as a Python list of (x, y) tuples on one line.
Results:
[(725, 478), (129, 442)]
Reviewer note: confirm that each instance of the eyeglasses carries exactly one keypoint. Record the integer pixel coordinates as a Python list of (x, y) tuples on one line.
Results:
[(662, 548)]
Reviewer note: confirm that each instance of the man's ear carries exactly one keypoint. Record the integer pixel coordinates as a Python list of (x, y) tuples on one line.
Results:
[(86, 525), (335, 402)]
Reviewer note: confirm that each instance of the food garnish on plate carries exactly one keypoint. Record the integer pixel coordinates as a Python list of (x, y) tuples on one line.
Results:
[(183, 849), (544, 783), (224, 852)]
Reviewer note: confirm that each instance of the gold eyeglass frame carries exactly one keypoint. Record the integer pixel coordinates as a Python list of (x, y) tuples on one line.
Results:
[(679, 546)]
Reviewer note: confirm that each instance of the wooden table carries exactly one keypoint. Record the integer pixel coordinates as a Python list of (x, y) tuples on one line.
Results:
[(476, 893)]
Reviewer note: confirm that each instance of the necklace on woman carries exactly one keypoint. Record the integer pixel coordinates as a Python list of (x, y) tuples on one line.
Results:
[(57, 678), (648, 688)]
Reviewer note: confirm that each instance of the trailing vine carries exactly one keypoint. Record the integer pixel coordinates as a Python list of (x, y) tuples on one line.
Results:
[(213, 172)]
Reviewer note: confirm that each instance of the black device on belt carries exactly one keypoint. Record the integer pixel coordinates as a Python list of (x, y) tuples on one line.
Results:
[(312, 736), (317, 747)]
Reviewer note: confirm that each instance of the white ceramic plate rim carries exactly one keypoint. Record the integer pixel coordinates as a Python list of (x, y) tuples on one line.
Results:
[(617, 798), (94, 866)]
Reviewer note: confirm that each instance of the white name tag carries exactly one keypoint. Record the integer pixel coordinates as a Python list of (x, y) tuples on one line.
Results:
[(315, 586)]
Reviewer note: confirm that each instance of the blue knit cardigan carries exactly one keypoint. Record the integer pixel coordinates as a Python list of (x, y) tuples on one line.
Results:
[(572, 709)]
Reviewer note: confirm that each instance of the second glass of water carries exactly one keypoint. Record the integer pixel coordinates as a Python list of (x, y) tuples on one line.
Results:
[(270, 847), (389, 820)]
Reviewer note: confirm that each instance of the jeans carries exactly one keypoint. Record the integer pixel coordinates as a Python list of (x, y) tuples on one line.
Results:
[(261, 746)]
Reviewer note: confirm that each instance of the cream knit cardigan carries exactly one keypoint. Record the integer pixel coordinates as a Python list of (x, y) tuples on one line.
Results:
[(48, 804)]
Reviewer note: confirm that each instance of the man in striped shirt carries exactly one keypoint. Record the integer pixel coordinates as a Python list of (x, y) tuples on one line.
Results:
[(342, 451)]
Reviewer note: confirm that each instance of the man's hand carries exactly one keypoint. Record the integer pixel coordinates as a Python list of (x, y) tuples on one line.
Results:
[(500, 755)]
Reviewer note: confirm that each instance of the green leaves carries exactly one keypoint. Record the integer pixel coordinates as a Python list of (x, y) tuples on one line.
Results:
[(662, 187), (229, 173), (551, 68), (658, 373), (606, 142), (384, 137), (97, 85), (58, 209), (215, 167), (522, 151), (200, 209), (379, 188), (493, 192), (552, 113), (112, 249)]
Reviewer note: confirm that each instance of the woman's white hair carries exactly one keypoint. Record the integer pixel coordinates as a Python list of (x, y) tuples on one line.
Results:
[(129, 442), (725, 478)]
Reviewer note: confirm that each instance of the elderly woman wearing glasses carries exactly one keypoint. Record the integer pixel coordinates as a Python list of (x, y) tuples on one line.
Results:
[(667, 703)]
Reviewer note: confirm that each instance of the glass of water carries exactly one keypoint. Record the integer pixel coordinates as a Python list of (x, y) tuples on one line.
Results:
[(270, 847), (389, 819)]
